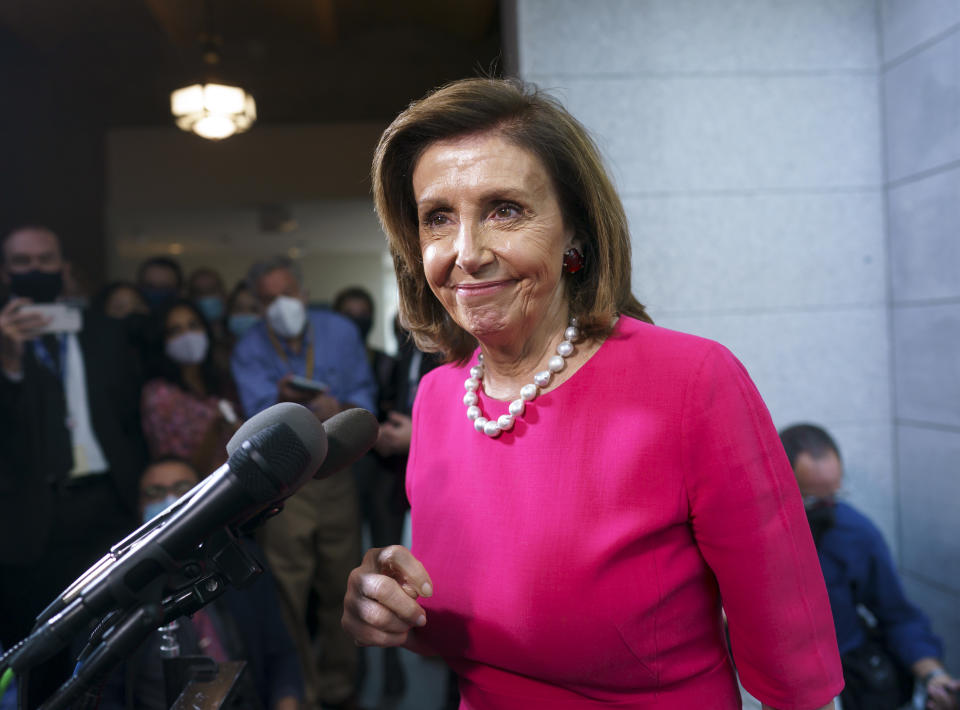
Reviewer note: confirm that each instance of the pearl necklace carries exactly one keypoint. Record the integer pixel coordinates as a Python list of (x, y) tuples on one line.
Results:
[(528, 392)]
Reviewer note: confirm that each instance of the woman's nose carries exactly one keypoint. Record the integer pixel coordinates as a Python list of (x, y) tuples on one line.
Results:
[(472, 250)]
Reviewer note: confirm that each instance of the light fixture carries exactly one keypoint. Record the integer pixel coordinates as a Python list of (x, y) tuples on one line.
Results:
[(212, 110)]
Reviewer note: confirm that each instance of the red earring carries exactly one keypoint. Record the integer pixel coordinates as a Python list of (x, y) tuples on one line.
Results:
[(573, 260)]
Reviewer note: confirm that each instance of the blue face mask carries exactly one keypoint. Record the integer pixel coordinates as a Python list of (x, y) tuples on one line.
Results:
[(152, 510), (240, 323), (211, 307)]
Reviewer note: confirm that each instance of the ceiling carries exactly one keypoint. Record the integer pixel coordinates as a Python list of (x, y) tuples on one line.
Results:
[(303, 60)]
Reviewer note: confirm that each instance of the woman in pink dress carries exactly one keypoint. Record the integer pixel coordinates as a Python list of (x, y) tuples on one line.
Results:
[(188, 410), (585, 487)]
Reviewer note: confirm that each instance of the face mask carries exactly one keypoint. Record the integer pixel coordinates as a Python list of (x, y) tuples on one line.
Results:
[(152, 510), (821, 516), (158, 298), (188, 348), (240, 323), (38, 286), (287, 316), (363, 325), (211, 307)]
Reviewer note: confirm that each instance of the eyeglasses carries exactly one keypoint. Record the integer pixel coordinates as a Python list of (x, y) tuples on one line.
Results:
[(158, 492)]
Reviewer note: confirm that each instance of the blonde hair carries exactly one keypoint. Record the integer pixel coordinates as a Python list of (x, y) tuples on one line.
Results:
[(536, 122)]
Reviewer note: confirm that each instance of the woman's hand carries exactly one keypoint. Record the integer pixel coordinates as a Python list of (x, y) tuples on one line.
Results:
[(380, 607)]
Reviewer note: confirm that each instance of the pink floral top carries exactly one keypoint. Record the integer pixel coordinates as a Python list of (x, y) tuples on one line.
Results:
[(175, 421)]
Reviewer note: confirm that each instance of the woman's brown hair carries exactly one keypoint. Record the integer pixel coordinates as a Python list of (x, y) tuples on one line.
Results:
[(536, 122)]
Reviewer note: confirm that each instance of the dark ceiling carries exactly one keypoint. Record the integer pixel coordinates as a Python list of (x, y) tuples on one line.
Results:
[(303, 60)]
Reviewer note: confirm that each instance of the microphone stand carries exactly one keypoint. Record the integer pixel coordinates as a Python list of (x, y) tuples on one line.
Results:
[(120, 633)]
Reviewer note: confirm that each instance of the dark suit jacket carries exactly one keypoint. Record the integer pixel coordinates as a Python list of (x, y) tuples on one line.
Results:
[(36, 454)]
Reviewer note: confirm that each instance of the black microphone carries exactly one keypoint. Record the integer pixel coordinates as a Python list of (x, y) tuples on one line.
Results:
[(291, 414), (285, 449), (350, 434)]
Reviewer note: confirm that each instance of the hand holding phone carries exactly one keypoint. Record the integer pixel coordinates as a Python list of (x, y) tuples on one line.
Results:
[(61, 317)]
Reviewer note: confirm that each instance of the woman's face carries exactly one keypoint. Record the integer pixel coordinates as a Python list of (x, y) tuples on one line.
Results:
[(181, 320), (124, 301), (492, 238)]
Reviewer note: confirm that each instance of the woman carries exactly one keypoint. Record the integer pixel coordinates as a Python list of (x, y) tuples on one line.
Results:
[(119, 300), (188, 409), (580, 509)]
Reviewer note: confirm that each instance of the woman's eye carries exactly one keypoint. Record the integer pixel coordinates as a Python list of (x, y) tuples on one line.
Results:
[(506, 211), (435, 219)]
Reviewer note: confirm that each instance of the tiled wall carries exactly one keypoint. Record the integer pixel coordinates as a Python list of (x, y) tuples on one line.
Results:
[(921, 111), (746, 140)]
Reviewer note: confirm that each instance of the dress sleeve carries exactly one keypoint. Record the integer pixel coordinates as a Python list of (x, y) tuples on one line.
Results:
[(748, 521)]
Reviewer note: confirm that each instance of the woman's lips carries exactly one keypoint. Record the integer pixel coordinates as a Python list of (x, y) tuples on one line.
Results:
[(479, 290)]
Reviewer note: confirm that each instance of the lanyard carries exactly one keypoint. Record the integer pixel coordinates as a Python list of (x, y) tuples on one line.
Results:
[(46, 357), (308, 367)]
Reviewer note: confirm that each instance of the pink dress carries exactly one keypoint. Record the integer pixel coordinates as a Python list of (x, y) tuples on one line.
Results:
[(579, 560)]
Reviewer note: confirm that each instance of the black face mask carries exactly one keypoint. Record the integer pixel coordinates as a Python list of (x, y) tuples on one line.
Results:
[(363, 325), (38, 286), (821, 516)]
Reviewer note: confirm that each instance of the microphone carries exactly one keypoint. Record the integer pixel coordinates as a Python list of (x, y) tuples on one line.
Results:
[(272, 455), (350, 434)]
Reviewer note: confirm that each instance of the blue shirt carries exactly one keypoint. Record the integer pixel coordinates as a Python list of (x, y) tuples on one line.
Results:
[(339, 360), (858, 569)]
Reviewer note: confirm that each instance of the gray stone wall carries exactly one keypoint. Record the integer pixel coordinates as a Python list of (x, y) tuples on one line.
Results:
[(921, 111)]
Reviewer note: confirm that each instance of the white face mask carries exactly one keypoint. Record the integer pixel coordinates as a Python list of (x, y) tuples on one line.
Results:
[(287, 316), (188, 348)]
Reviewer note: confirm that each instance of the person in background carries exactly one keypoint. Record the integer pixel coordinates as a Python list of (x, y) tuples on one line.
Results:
[(120, 299), (584, 486), (379, 488), (205, 288), (71, 448), (160, 280), (396, 428), (242, 625), (314, 358), (859, 571), (376, 485), (189, 409), (242, 312)]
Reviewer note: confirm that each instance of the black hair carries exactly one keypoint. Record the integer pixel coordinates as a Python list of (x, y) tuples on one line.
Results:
[(28, 226), (171, 458), (807, 438), (164, 261), (353, 292), (99, 302)]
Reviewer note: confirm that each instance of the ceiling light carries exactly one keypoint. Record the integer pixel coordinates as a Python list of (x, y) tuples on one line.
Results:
[(213, 111)]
